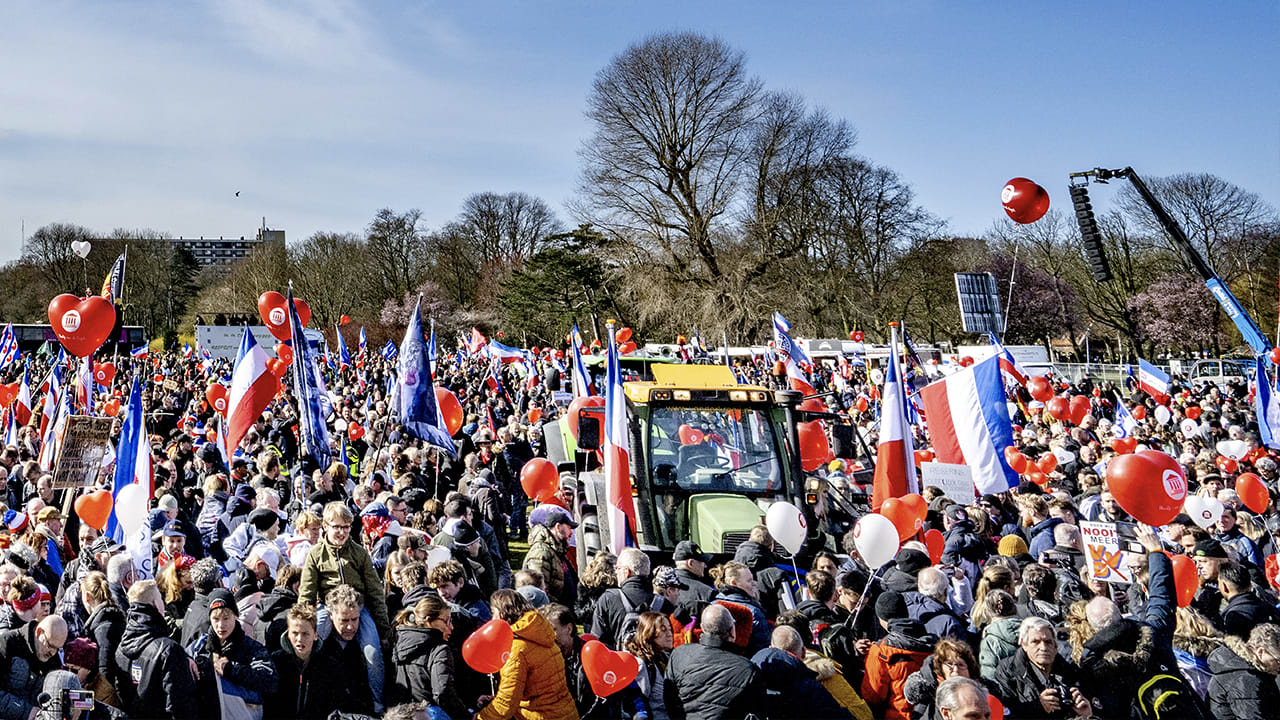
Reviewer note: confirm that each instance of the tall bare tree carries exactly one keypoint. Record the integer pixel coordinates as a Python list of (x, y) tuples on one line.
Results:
[(396, 247)]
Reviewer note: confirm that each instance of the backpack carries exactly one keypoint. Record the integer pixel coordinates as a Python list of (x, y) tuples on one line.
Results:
[(1168, 696), (631, 620)]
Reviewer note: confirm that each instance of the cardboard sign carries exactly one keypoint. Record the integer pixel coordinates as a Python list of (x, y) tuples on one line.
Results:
[(1105, 553), (955, 481), (84, 444)]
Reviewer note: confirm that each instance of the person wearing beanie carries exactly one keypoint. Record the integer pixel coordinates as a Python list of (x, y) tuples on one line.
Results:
[(227, 654), (1012, 546), (81, 658), (893, 659)]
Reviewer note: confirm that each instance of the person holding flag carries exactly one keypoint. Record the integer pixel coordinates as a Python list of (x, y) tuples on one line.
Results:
[(308, 385)]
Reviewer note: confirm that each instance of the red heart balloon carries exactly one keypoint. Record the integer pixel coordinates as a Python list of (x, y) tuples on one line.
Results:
[(1149, 485), (1024, 201), (1059, 409), (916, 504), (1186, 579), (1040, 388), (355, 431), (1047, 463), (1017, 461), (607, 671), (540, 479), (342, 320), (1192, 412), (1139, 412), (216, 394), (104, 373), (902, 516), (95, 508), (275, 316), (1079, 408), (82, 325), (1124, 446), (936, 542), (285, 353), (111, 407), (488, 648), (623, 335)]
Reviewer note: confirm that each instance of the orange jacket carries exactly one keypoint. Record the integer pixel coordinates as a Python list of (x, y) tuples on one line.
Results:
[(533, 685), (888, 668)]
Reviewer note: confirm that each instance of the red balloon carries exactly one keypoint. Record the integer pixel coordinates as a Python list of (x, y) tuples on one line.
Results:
[(1040, 388), (936, 542), (902, 516), (1059, 409), (160, 378), (863, 404), (1024, 201), (857, 336), (623, 335), (540, 479), (342, 320), (277, 367), (94, 508), (1149, 485), (1227, 465), (1275, 355), (1079, 409), (450, 410), (276, 317), (916, 504), (966, 361), (577, 404), (1035, 475), (1124, 446), (1139, 412), (627, 348), (216, 394), (82, 325), (488, 648), (923, 456), (995, 706), (1047, 463), (1017, 461), (535, 414), (1192, 412), (1186, 579), (608, 671), (284, 352), (355, 431), (111, 407), (104, 373), (1253, 492), (814, 448)]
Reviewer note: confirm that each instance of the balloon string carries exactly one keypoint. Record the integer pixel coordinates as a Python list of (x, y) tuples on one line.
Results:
[(593, 707), (853, 623)]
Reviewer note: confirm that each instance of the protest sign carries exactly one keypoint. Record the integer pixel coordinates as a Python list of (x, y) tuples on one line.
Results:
[(1105, 553), (84, 444), (955, 481)]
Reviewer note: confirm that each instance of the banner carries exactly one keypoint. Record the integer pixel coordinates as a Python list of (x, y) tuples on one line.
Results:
[(955, 481), (223, 341), (1105, 553)]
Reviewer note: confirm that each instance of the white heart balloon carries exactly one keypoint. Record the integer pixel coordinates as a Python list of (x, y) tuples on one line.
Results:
[(1064, 455), (1234, 449), (876, 539), (81, 248), (437, 555), (1163, 415), (1203, 511)]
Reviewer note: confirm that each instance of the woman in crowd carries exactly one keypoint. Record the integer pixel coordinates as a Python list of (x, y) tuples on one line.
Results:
[(23, 606), (105, 626), (950, 658), (1000, 634), (532, 683), (651, 645), (595, 580), (423, 660), (174, 581)]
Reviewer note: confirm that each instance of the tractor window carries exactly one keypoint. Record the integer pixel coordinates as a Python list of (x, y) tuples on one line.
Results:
[(714, 449)]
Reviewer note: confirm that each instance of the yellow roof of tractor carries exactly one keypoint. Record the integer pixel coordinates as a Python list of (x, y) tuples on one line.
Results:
[(683, 382)]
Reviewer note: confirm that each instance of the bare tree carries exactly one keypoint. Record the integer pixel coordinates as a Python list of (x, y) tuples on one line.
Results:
[(672, 115), (510, 227), (332, 273), (396, 248), (49, 250)]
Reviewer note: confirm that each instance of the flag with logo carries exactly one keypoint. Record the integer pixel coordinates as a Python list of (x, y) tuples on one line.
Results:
[(113, 285), (792, 356), (418, 407), (389, 351), (313, 399)]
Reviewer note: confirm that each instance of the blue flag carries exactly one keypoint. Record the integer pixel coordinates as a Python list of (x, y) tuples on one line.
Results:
[(308, 386), (133, 441), (344, 357), (364, 342), (1266, 405), (389, 350), (419, 410), (431, 350)]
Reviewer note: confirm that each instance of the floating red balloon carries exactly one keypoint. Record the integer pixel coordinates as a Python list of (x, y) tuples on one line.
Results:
[(577, 404), (1253, 492), (902, 516), (81, 324), (863, 404), (284, 352), (608, 671), (277, 367), (1047, 463), (95, 508), (1040, 388), (1227, 465), (966, 361), (1139, 412), (540, 479), (1079, 409), (450, 410), (275, 316), (1024, 201), (104, 373), (535, 414), (936, 542), (1017, 461), (623, 335), (627, 348), (1059, 409), (216, 394), (814, 448), (923, 456), (1124, 445), (1149, 485), (342, 320), (355, 431), (1186, 579), (1192, 412), (111, 407), (487, 649), (857, 336), (917, 505), (1275, 355), (1035, 475)]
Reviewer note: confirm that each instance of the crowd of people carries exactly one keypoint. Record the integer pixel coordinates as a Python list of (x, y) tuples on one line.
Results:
[(287, 590)]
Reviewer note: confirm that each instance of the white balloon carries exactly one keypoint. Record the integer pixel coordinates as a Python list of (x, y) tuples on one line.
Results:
[(437, 555), (876, 539), (1203, 511), (1188, 427), (81, 248), (1163, 415), (1064, 455), (1234, 449), (131, 507), (787, 525)]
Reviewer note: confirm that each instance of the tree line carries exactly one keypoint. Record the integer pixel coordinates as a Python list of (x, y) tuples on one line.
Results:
[(707, 200)]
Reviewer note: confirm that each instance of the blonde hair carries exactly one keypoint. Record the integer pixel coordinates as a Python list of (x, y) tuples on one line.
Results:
[(145, 592), (95, 587), (307, 520), (337, 512)]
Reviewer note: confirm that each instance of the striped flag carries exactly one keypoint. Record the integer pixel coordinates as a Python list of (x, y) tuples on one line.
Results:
[(140, 353), (186, 351), (617, 464), (416, 402), (969, 424), (22, 403), (895, 474), (581, 380), (8, 347), (431, 350), (389, 351), (252, 387), (364, 341), (1008, 363), (1266, 405), (1153, 381), (792, 355), (344, 357)]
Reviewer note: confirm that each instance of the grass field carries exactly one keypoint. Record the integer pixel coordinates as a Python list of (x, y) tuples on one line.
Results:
[(518, 551)]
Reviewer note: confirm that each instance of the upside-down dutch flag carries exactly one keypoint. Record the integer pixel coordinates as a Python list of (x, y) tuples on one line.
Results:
[(1008, 363), (140, 353), (252, 387), (505, 353), (22, 403), (895, 474), (617, 462), (364, 341), (1266, 405), (969, 424), (1153, 381)]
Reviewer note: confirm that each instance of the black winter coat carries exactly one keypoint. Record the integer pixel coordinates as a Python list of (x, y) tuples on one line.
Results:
[(105, 627), (707, 681), (1238, 690), (353, 693), (272, 621), (606, 622), (1020, 686), (196, 622), (309, 692), (1246, 610), (21, 674), (423, 664), (771, 580), (788, 680), (161, 684), (249, 668)]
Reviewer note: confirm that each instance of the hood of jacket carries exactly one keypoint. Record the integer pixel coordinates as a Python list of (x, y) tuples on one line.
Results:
[(1228, 659), (755, 556), (534, 628), (923, 607), (413, 644), (824, 667), (143, 624), (1045, 526), (1005, 629), (541, 535), (921, 686), (910, 635), (1123, 647), (277, 602)]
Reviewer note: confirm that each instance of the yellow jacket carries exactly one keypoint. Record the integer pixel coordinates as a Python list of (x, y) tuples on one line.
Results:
[(533, 685), (831, 678)]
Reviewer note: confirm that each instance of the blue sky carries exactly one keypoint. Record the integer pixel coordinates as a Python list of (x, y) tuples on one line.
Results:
[(153, 114)]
